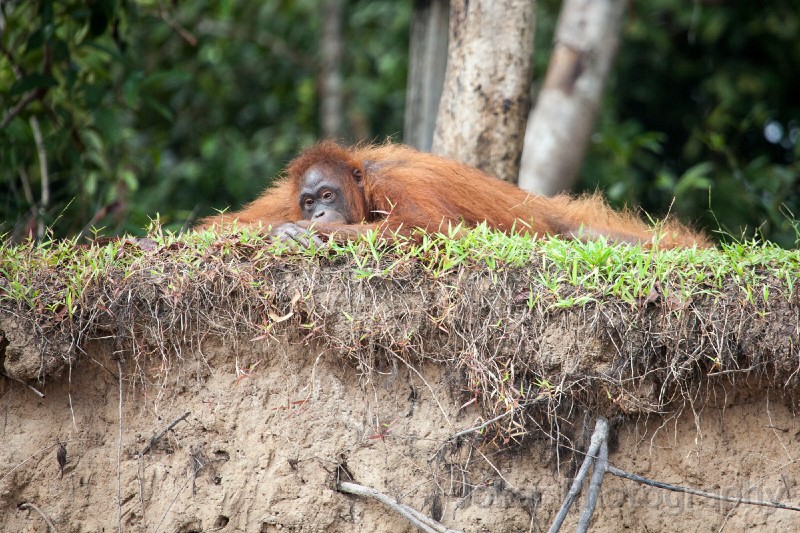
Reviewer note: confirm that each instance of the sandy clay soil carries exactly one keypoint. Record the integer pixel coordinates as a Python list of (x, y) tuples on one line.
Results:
[(272, 426)]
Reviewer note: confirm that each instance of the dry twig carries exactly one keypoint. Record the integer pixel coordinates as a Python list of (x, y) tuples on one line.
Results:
[(598, 454), (155, 438), (185, 34), (480, 427), (714, 496), (599, 470), (19, 107), (599, 437), (36, 391), (422, 522), (119, 453), (44, 175), (27, 505)]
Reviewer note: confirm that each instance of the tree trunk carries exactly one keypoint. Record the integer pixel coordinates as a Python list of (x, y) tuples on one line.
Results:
[(587, 38), (427, 63), (486, 96), (331, 82)]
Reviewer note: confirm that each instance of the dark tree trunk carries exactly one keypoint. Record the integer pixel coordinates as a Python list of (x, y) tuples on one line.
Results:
[(331, 82), (486, 96), (427, 63)]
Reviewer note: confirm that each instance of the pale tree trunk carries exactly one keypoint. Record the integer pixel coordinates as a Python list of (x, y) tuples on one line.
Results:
[(486, 96), (587, 38), (427, 63), (331, 83)]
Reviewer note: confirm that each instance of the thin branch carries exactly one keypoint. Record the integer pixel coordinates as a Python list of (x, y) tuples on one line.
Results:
[(714, 496), (174, 499), (139, 467), (156, 438), (19, 107), (176, 26), (38, 393), (119, 453), (26, 186), (35, 94), (600, 465), (19, 465), (482, 426), (422, 522), (507, 482), (69, 397), (42, 153), (28, 505), (599, 436)]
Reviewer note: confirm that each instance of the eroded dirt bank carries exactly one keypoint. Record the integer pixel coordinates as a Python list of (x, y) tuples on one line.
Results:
[(273, 424), (272, 377)]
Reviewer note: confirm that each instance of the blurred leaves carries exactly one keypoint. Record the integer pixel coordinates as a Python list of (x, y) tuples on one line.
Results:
[(151, 107), (703, 109)]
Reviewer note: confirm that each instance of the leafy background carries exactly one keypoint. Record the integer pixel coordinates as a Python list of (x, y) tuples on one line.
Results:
[(170, 109)]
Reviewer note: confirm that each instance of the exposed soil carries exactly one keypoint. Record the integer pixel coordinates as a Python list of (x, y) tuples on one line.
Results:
[(296, 375), (262, 451)]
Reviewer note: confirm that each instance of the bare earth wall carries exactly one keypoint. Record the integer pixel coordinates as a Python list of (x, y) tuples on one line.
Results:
[(298, 375), (261, 453)]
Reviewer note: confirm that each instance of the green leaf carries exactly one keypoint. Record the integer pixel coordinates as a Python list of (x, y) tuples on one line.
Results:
[(695, 178), (130, 179), (33, 81)]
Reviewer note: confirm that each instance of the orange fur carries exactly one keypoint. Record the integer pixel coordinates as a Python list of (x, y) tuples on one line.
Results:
[(403, 189)]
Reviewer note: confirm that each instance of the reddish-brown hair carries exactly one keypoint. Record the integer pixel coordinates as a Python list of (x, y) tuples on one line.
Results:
[(399, 188)]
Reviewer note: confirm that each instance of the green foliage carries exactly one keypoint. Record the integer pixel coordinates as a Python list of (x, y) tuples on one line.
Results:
[(176, 108), (703, 108), (53, 274), (152, 108), (62, 59)]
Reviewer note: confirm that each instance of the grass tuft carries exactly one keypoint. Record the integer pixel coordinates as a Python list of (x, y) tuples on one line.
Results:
[(536, 329)]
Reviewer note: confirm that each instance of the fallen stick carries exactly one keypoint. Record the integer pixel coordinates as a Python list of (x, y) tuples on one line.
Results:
[(599, 470), (480, 427), (156, 438), (426, 524), (714, 496), (601, 466), (27, 505), (36, 391), (599, 436)]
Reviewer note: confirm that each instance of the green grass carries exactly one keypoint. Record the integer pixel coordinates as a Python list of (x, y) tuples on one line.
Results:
[(477, 299), (52, 275)]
